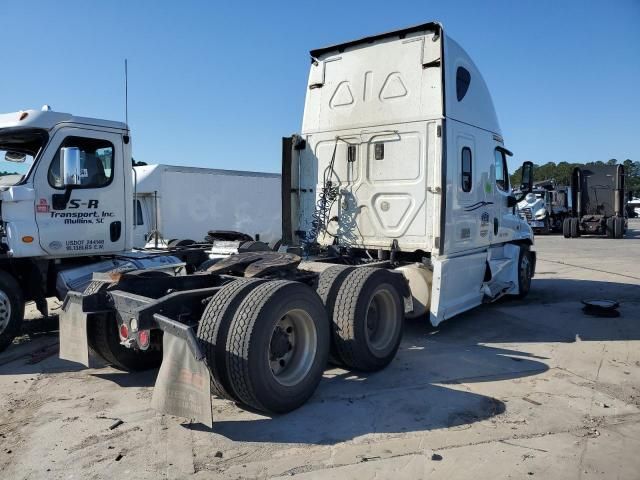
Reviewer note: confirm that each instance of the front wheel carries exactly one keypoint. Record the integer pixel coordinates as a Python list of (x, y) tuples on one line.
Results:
[(525, 272), (566, 228), (546, 227), (11, 309)]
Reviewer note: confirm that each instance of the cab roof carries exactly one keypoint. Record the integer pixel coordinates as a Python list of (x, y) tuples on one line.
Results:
[(47, 119), (401, 33)]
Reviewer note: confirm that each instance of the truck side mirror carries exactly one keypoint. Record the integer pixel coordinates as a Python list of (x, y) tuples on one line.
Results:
[(71, 166), (17, 157), (526, 185)]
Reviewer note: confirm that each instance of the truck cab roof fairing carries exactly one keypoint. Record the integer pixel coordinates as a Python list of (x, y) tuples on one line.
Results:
[(476, 106), (340, 47)]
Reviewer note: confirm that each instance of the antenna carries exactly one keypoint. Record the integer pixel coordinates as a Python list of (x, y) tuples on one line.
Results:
[(126, 94)]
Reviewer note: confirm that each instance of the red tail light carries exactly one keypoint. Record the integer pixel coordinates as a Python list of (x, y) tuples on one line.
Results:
[(124, 331), (144, 337)]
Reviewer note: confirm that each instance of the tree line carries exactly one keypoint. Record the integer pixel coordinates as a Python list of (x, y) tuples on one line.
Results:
[(561, 173)]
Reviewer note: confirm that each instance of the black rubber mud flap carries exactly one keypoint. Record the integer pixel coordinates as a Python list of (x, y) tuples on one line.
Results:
[(73, 330), (183, 385)]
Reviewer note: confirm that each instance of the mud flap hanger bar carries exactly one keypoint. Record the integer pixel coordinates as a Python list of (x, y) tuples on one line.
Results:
[(182, 331), (143, 308)]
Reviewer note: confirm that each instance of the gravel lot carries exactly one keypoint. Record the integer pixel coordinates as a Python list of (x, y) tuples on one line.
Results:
[(516, 389)]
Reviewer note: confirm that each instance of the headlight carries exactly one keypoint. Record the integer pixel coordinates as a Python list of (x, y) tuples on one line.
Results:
[(540, 214)]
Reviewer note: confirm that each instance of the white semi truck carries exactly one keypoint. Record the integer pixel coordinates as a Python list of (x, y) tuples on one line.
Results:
[(72, 211), (177, 204), (546, 207), (396, 203)]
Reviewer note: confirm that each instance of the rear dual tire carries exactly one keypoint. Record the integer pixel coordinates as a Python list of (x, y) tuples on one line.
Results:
[(266, 343), (329, 283), (575, 228), (368, 319), (214, 328), (104, 340), (277, 346), (610, 227), (618, 227)]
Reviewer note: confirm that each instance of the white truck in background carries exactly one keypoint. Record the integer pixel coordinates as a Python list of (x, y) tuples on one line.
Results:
[(176, 203), (546, 207), (397, 196), (72, 211)]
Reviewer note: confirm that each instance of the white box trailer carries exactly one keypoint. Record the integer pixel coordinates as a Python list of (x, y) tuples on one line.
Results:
[(184, 203), (397, 196)]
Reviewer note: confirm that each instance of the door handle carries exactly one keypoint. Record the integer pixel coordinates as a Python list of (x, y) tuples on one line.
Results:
[(115, 230), (435, 190)]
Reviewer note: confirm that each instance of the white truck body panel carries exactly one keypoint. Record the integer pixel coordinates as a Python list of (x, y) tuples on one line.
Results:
[(92, 222), (191, 201), (388, 120)]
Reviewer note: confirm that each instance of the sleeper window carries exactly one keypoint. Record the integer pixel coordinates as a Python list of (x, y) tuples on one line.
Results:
[(502, 175), (463, 79), (97, 159), (466, 170)]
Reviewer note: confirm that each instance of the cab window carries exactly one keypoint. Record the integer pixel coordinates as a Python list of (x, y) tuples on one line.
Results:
[(502, 174), (137, 208), (466, 169), (97, 158)]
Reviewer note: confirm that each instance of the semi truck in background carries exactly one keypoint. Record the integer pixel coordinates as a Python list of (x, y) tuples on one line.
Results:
[(73, 212), (397, 196), (546, 207), (175, 204), (598, 202)]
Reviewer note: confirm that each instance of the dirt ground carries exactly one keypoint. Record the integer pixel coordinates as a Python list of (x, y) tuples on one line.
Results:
[(517, 389)]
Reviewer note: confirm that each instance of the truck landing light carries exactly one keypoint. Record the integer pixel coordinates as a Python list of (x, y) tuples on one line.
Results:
[(124, 331), (144, 336)]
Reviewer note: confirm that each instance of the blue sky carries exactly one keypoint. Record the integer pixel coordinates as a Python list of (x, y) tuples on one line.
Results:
[(218, 85)]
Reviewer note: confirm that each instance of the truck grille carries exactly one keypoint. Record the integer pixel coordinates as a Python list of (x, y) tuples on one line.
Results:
[(525, 213)]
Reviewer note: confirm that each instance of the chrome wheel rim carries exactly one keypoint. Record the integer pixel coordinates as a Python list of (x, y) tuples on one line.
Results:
[(381, 321), (292, 347), (5, 311)]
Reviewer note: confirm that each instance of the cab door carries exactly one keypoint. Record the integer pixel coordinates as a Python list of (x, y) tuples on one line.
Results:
[(89, 218), (504, 220)]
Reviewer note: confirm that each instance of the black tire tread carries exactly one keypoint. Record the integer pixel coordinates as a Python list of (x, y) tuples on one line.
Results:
[(575, 228), (344, 318), (103, 339), (618, 227), (12, 288), (238, 341), (329, 283), (218, 314)]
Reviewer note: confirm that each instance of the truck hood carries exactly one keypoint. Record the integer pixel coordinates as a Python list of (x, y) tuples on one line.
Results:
[(535, 205), (7, 181)]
